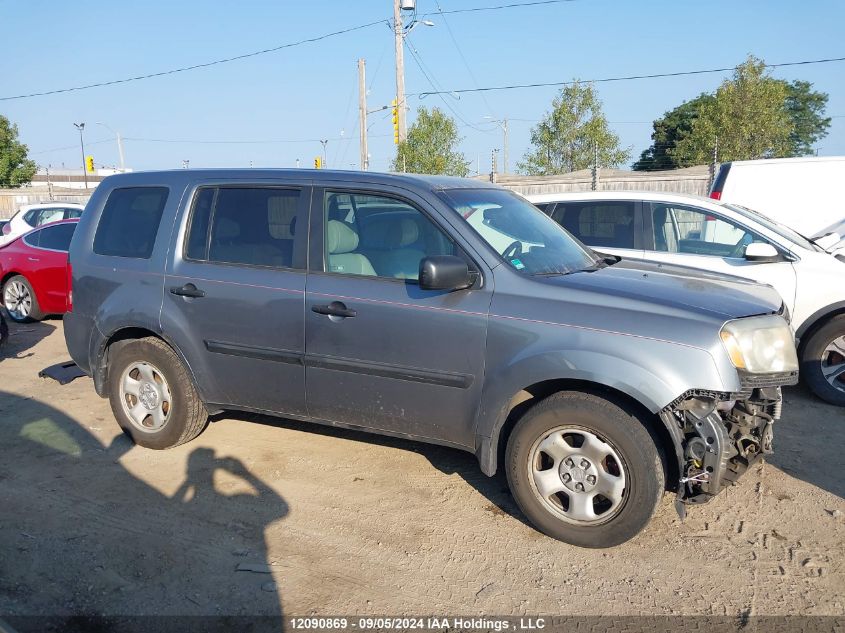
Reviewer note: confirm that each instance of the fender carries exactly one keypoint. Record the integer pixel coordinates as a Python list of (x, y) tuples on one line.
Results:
[(646, 371), (818, 316)]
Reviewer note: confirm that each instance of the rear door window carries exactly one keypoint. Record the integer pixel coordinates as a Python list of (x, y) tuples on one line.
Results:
[(129, 222), (56, 238), (253, 226), (602, 223)]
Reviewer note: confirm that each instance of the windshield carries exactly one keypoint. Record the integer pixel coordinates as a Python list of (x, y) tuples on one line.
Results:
[(776, 227), (527, 239)]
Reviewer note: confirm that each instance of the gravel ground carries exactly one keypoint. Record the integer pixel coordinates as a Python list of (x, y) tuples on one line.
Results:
[(337, 522)]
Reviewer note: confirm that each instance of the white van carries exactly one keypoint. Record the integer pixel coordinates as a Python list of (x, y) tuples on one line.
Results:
[(806, 194)]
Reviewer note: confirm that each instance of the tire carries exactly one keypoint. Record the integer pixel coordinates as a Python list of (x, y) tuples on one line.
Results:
[(818, 354), (152, 395), (616, 455), (20, 301)]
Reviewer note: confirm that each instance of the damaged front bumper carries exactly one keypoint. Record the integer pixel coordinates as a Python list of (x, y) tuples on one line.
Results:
[(718, 436)]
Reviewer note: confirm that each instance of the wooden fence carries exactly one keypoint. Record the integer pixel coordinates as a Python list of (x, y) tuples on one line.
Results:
[(691, 180), (13, 199)]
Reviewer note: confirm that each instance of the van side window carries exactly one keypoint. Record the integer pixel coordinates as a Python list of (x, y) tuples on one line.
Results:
[(254, 226), (129, 222)]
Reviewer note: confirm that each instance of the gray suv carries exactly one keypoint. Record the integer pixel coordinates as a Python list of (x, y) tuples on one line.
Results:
[(438, 309)]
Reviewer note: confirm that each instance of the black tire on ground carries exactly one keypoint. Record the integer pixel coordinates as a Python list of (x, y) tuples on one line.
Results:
[(35, 313), (186, 417), (624, 432), (812, 356)]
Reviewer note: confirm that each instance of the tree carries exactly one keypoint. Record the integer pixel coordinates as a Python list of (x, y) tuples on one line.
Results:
[(668, 130), (15, 168), (806, 110), (567, 137), (431, 146), (738, 101)]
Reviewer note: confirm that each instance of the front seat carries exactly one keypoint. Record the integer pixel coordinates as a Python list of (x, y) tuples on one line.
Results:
[(342, 241), (388, 244)]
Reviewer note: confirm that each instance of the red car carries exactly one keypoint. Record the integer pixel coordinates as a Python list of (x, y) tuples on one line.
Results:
[(34, 272)]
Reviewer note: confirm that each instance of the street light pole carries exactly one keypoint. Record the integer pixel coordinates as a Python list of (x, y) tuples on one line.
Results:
[(80, 127), (325, 156), (502, 123), (119, 145)]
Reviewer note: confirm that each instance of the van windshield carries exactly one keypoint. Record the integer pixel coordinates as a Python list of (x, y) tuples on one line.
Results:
[(776, 227), (527, 239)]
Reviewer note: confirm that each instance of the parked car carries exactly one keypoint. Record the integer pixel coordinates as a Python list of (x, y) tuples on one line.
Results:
[(34, 215), (806, 194), (594, 384), (726, 238), (34, 274)]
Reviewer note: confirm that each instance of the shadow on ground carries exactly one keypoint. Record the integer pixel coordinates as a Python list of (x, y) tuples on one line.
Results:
[(76, 547), (23, 337), (810, 441), (445, 459)]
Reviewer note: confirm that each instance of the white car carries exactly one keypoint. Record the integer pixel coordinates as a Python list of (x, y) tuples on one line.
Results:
[(720, 237), (31, 216), (806, 193)]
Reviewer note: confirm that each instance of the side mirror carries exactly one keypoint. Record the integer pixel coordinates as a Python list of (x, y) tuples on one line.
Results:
[(444, 272), (760, 252)]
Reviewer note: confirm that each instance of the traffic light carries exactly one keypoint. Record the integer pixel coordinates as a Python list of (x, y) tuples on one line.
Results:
[(395, 122), (318, 163), (89, 164)]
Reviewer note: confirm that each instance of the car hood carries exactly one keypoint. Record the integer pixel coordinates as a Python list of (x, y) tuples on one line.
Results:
[(667, 285)]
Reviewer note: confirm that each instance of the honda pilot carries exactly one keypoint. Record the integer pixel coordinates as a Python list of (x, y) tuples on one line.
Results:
[(438, 309)]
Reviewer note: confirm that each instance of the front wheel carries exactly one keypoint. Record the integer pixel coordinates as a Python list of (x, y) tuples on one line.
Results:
[(823, 361), (152, 395), (583, 470)]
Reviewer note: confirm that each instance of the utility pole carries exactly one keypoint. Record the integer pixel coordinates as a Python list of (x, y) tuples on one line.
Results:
[(505, 148), (362, 110), (80, 127), (716, 161), (595, 165), (493, 165), (399, 44)]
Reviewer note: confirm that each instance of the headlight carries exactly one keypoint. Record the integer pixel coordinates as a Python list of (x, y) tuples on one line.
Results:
[(760, 345)]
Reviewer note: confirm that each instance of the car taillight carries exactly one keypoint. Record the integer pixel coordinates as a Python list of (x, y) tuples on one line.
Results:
[(69, 287), (716, 195)]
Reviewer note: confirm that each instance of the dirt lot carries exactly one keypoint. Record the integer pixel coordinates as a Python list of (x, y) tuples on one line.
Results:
[(350, 523)]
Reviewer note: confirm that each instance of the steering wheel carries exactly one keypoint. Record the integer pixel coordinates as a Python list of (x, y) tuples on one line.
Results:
[(514, 249), (739, 247)]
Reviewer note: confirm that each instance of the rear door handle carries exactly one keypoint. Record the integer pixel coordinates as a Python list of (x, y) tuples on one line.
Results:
[(34, 259), (335, 308), (188, 290)]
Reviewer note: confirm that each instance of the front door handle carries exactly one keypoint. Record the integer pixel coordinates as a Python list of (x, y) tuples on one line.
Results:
[(188, 290), (335, 308), (34, 259)]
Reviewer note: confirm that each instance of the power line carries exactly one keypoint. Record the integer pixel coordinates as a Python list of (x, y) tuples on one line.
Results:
[(418, 61), (183, 69), (422, 95), (461, 53), (514, 5)]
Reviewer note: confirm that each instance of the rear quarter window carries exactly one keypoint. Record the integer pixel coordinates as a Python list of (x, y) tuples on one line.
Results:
[(129, 223)]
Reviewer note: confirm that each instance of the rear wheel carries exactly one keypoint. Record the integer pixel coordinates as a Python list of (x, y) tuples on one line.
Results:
[(823, 361), (583, 470), (20, 301), (152, 395)]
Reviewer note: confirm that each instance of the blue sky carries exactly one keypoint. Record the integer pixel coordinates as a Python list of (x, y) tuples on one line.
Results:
[(283, 102)]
